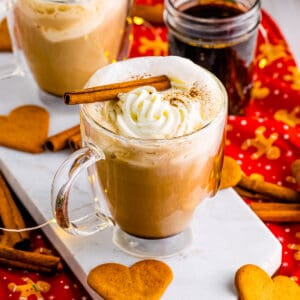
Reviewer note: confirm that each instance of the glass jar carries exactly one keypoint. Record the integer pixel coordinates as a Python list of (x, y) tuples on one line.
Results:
[(219, 35)]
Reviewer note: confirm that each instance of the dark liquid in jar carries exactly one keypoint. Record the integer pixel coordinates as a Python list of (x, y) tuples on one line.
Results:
[(232, 63)]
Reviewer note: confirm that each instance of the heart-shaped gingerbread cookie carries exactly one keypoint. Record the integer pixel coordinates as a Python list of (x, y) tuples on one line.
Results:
[(25, 128), (145, 280), (253, 283)]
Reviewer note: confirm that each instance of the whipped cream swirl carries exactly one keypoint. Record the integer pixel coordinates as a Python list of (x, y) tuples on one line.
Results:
[(146, 113)]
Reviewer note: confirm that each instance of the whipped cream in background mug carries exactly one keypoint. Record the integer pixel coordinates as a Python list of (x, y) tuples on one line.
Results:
[(151, 156)]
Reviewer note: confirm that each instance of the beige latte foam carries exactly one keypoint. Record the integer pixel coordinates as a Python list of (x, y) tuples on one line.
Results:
[(64, 44), (153, 186)]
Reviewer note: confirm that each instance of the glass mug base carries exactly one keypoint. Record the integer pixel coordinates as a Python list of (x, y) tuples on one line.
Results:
[(142, 248)]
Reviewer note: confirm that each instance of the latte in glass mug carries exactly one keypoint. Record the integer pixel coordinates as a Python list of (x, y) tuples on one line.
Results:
[(157, 154), (65, 41)]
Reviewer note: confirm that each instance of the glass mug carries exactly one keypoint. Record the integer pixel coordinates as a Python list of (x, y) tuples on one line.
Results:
[(63, 42), (150, 186), (219, 35)]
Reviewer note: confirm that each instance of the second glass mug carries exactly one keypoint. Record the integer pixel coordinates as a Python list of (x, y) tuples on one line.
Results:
[(152, 187), (63, 42)]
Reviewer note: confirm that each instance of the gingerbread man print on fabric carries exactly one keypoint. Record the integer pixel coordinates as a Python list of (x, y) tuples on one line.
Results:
[(258, 91), (30, 288), (291, 118), (270, 53), (263, 145), (294, 78)]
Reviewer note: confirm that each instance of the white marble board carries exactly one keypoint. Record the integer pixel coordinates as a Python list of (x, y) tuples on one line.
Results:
[(227, 234)]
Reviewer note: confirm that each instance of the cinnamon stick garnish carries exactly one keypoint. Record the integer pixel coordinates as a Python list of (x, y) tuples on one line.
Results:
[(280, 193), (59, 141), (29, 260), (11, 217), (277, 212), (111, 91), (75, 142)]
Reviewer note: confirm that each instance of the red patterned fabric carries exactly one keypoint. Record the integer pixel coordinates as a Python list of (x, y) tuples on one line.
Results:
[(272, 118), (148, 2), (61, 285)]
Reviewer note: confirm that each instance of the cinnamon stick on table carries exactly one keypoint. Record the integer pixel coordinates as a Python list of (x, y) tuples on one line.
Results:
[(244, 193), (276, 192), (29, 260), (75, 142), (59, 141), (277, 212), (11, 218), (111, 91)]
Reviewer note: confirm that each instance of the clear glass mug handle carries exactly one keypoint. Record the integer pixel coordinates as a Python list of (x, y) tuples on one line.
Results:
[(62, 185), (10, 63)]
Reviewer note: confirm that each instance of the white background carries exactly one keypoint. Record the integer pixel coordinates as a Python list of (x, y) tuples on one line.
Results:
[(287, 15)]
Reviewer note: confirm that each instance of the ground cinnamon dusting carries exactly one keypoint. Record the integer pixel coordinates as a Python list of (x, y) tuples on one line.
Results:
[(180, 96), (194, 91)]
